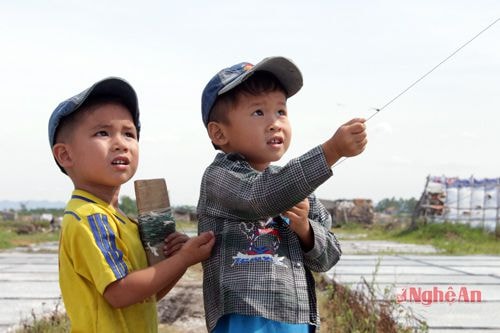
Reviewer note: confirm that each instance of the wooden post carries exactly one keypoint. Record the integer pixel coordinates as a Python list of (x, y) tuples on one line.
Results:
[(457, 219), (484, 205), (497, 225), (151, 194), (155, 216), (418, 207), (471, 210)]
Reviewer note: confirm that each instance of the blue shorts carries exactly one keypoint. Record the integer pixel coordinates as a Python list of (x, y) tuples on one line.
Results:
[(235, 323)]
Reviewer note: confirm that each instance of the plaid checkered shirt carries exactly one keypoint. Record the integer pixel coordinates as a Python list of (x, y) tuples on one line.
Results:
[(257, 266)]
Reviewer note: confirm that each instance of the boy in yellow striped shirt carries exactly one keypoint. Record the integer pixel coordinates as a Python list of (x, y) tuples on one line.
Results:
[(106, 283)]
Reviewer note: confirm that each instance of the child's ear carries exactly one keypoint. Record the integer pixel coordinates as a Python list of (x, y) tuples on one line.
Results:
[(62, 155), (216, 133)]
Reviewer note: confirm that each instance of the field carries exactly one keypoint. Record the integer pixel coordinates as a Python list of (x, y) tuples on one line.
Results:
[(182, 311), (22, 234), (340, 307), (452, 239)]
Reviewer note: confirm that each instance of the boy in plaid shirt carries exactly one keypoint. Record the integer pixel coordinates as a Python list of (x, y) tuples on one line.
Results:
[(271, 231)]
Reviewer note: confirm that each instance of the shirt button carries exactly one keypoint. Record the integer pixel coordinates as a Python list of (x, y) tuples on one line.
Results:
[(298, 264)]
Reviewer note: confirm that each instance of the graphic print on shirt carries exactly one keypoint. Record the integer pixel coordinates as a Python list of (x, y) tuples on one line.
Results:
[(263, 243)]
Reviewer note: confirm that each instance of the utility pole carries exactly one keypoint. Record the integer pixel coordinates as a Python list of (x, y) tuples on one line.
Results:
[(497, 226)]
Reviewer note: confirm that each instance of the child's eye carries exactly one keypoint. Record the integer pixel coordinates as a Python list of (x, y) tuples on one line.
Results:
[(258, 113), (130, 135), (102, 133), (282, 112)]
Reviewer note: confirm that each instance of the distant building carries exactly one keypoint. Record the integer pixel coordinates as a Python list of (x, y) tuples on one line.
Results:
[(349, 210), (187, 214), (471, 201), (182, 216), (46, 217), (8, 215)]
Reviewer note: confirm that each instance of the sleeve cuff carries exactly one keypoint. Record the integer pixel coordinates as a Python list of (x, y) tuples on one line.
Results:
[(319, 242), (315, 168)]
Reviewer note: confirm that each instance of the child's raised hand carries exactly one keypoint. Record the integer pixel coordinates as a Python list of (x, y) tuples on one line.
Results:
[(349, 140), (299, 221), (173, 243), (198, 248)]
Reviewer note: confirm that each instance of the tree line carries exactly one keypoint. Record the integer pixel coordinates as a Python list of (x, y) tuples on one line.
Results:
[(129, 207), (396, 206)]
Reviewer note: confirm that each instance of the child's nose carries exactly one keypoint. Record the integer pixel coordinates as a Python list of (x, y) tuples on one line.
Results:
[(120, 143), (275, 125)]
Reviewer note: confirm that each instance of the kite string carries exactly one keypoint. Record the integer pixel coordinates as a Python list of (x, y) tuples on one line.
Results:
[(422, 77), (435, 67)]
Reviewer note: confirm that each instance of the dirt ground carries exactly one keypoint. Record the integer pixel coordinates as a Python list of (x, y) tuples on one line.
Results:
[(181, 310)]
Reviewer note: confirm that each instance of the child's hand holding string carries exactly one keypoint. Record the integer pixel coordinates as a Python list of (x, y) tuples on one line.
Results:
[(349, 140)]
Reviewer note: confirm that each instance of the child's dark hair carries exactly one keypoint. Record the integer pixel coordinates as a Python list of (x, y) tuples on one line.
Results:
[(259, 83)]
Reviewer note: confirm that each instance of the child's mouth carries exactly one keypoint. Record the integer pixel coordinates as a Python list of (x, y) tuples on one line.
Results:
[(120, 161), (275, 141)]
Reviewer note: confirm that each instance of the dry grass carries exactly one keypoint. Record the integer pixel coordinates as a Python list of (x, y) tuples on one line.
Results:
[(342, 310), (53, 322), (346, 310)]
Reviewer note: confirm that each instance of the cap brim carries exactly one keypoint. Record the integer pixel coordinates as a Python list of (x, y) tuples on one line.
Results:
[(284, 69)]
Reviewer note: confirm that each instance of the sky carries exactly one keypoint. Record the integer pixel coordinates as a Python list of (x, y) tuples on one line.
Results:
[(355, 56)]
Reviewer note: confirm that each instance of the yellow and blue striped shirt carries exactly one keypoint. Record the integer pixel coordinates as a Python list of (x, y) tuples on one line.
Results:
[(98, 246)]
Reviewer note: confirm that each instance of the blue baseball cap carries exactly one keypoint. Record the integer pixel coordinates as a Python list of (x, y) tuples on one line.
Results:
[(109, 87), (287, 73), (112, 87)]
